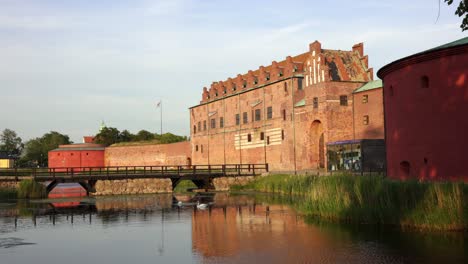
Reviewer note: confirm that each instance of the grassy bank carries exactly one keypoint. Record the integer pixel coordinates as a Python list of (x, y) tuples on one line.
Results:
[(372, 200), (30, 189), (8, 193)]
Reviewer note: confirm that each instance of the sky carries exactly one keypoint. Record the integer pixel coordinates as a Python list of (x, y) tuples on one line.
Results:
[(67, 66)]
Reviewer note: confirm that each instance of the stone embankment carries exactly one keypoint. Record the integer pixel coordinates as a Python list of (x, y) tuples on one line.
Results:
[(134, 186), (225, 183), (9, 185)]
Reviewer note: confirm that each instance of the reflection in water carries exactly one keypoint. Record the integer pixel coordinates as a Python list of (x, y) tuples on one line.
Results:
[(233, 229)]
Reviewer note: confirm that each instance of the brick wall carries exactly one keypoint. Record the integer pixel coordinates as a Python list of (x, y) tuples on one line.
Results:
[(146, 155), (374, 110)]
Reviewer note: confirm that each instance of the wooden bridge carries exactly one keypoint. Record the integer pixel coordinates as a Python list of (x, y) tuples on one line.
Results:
[(201, 175)]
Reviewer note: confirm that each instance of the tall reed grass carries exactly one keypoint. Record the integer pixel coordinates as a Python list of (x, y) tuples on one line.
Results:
[(30, 189), (373, 199)]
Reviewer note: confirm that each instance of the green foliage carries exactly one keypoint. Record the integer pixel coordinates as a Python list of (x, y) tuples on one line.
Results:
[(170, 138), (8, 193), (143, 135), (373, 199), (462, 10), (11, 143), (30, 189), (184, 185), (36, 150), (110, 135)]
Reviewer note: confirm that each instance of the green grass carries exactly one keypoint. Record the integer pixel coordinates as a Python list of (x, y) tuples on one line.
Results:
[(8, 193), (372, 199), (184, 185), (30, 189)]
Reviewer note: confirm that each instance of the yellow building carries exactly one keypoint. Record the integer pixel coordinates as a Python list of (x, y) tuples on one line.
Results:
[(6, 161)]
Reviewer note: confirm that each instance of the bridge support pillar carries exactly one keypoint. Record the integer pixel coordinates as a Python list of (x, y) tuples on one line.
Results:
[(88, 186), (51, 186)]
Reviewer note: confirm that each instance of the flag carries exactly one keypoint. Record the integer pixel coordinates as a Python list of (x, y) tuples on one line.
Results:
[(158, 104)]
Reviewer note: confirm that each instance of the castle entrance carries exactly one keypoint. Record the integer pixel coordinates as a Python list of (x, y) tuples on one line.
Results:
[(317, 144)]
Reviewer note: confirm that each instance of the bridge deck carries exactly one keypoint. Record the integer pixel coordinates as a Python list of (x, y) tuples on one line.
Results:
[(174, 172)]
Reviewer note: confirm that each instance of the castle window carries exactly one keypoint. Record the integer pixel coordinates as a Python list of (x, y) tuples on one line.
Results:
[(194, 129), (269, 112), (425, 81), (267, 78), (213, 123), (221, 122), (343, 100), (224, 91), (199, 125), (255, 81), (257, 115), (365, 99), (268, 140), (249, 138), (244, 84), (285, 87), (282, 134), (237, 119), (284, 114), (262, 136), (295, 68), (204, 124), (365, 120), (196, 148), (245, 118), (234, 87), (299, 84), (315, 102), (280, 74)]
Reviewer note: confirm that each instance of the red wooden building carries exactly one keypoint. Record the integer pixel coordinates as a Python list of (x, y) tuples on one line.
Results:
[(77, 155), (426, 104)]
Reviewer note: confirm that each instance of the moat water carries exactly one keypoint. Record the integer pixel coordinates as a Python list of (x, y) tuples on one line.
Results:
[(234, 229)]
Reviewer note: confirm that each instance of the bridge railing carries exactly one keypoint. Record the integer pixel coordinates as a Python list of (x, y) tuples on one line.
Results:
[(162, 171)]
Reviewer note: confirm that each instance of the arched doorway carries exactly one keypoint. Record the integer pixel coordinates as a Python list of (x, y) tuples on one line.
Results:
[(317, 144)]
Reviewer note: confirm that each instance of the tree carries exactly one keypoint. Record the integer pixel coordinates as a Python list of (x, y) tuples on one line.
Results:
[(462, 10), (126, 136), (108, 136), (143, 135), (36, 150), (170, 138), (11, 143)]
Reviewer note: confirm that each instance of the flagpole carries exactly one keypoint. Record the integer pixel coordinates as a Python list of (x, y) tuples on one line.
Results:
[(161, 116)]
